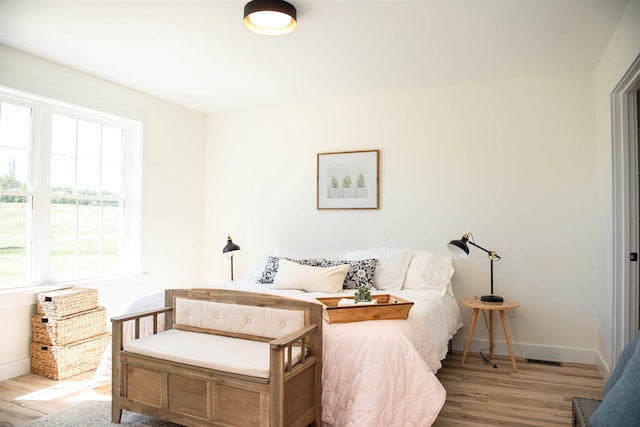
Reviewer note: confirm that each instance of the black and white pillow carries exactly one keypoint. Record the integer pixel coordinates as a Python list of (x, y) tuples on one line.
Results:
[(270, 270), (360, 273)]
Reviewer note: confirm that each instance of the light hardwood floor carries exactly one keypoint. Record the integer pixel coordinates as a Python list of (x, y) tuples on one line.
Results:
[(477, 393), (29, 397), (537, 395)]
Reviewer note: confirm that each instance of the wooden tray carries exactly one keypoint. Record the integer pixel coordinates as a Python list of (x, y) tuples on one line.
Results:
[(388, 307)]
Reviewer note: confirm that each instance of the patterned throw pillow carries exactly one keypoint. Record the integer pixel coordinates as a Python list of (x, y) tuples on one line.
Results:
[(360, 273), (270, 270)]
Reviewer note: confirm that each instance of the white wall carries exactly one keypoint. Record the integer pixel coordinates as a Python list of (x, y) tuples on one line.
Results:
[(518, 163), (514, 162), (622, 50), (172, 204)]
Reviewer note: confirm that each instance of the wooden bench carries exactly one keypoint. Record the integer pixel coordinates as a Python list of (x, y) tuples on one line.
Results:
[(206, 386)]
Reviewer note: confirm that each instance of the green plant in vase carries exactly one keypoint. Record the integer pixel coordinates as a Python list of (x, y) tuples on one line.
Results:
[(346, 182), (333, 187), (363, 294), (346, 187), (361, 191)]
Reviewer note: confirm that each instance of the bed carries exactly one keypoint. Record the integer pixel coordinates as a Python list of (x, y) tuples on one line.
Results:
[(377, 372)]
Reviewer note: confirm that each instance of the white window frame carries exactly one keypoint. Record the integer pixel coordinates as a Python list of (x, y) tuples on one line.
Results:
[(38, 189)]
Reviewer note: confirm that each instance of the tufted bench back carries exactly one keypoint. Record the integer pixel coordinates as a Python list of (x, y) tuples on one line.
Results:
[(236, 319)]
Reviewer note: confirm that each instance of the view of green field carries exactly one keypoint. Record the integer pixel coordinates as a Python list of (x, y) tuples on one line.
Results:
[(77, 233)]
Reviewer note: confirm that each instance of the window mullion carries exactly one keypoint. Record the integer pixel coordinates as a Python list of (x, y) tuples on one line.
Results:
[(41, 211), (131, 207)]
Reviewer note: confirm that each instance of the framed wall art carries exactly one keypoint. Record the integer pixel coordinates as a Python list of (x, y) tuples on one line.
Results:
[(348, 180)]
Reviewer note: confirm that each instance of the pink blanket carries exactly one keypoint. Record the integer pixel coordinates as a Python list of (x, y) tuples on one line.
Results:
[(374, 376)]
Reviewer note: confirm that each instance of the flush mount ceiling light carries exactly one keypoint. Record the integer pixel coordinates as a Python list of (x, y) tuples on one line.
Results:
[(270, 17)]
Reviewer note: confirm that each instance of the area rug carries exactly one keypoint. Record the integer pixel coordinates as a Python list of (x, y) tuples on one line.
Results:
[(96, 414)]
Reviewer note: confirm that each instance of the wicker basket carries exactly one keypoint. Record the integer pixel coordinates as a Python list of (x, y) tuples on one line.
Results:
[(60, 362), (63, 302), (68, 329)]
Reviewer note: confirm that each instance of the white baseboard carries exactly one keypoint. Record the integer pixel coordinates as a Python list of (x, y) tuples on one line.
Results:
[(531, 351), (15, 369), (603, 367)]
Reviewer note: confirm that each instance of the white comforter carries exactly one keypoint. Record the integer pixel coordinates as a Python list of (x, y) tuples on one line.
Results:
[(377, 373)]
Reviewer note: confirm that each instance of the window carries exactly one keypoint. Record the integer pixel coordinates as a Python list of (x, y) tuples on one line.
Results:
[(69, 192)]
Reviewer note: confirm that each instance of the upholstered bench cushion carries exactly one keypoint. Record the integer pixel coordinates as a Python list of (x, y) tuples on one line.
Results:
[(235, 355), (621, 403), (622, 363), (237, 318)]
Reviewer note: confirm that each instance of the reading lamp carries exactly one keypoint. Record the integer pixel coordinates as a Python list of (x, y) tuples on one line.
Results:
[(460, 248), (229, 249)]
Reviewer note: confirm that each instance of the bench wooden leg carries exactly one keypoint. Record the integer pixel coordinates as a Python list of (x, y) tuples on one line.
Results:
[(116, 415)]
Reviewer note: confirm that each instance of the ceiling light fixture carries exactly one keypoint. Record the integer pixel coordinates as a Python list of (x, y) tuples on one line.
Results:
[(270, 17)]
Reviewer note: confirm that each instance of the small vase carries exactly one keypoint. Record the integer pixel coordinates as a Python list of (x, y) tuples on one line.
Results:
[(349, 193)]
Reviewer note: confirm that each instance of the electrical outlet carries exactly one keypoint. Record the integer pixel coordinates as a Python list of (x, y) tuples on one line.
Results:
[(512, 313)]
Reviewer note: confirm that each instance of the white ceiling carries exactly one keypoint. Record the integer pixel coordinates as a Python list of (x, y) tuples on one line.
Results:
[(198, 54)]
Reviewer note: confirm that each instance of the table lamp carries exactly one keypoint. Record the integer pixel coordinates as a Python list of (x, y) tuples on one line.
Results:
[(460, 248), (229, 249)]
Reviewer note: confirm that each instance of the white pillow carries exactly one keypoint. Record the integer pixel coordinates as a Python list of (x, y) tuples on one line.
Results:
[(281, 252), (255, 270), (391, 268), (430, 271), (292, 275)]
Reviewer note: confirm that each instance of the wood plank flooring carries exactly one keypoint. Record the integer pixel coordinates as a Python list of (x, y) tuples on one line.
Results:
[(537, 395), (477, 393), (29, 397)]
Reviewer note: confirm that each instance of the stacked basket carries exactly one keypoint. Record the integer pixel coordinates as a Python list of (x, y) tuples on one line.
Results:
[(69, 333)]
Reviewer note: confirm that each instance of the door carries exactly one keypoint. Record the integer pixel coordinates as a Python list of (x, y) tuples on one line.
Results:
[(625, 291), (636, 284)]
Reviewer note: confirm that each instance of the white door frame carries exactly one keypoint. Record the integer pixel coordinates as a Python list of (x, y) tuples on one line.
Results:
[(626, 212)]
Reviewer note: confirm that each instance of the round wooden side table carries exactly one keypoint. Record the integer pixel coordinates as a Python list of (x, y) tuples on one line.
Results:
[(501, 307)]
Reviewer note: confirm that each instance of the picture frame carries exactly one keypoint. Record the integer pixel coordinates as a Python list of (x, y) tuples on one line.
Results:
[(348, 180)]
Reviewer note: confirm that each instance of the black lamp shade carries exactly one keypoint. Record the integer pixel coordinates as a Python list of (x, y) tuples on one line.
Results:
[(459, 247), (230, 247)]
